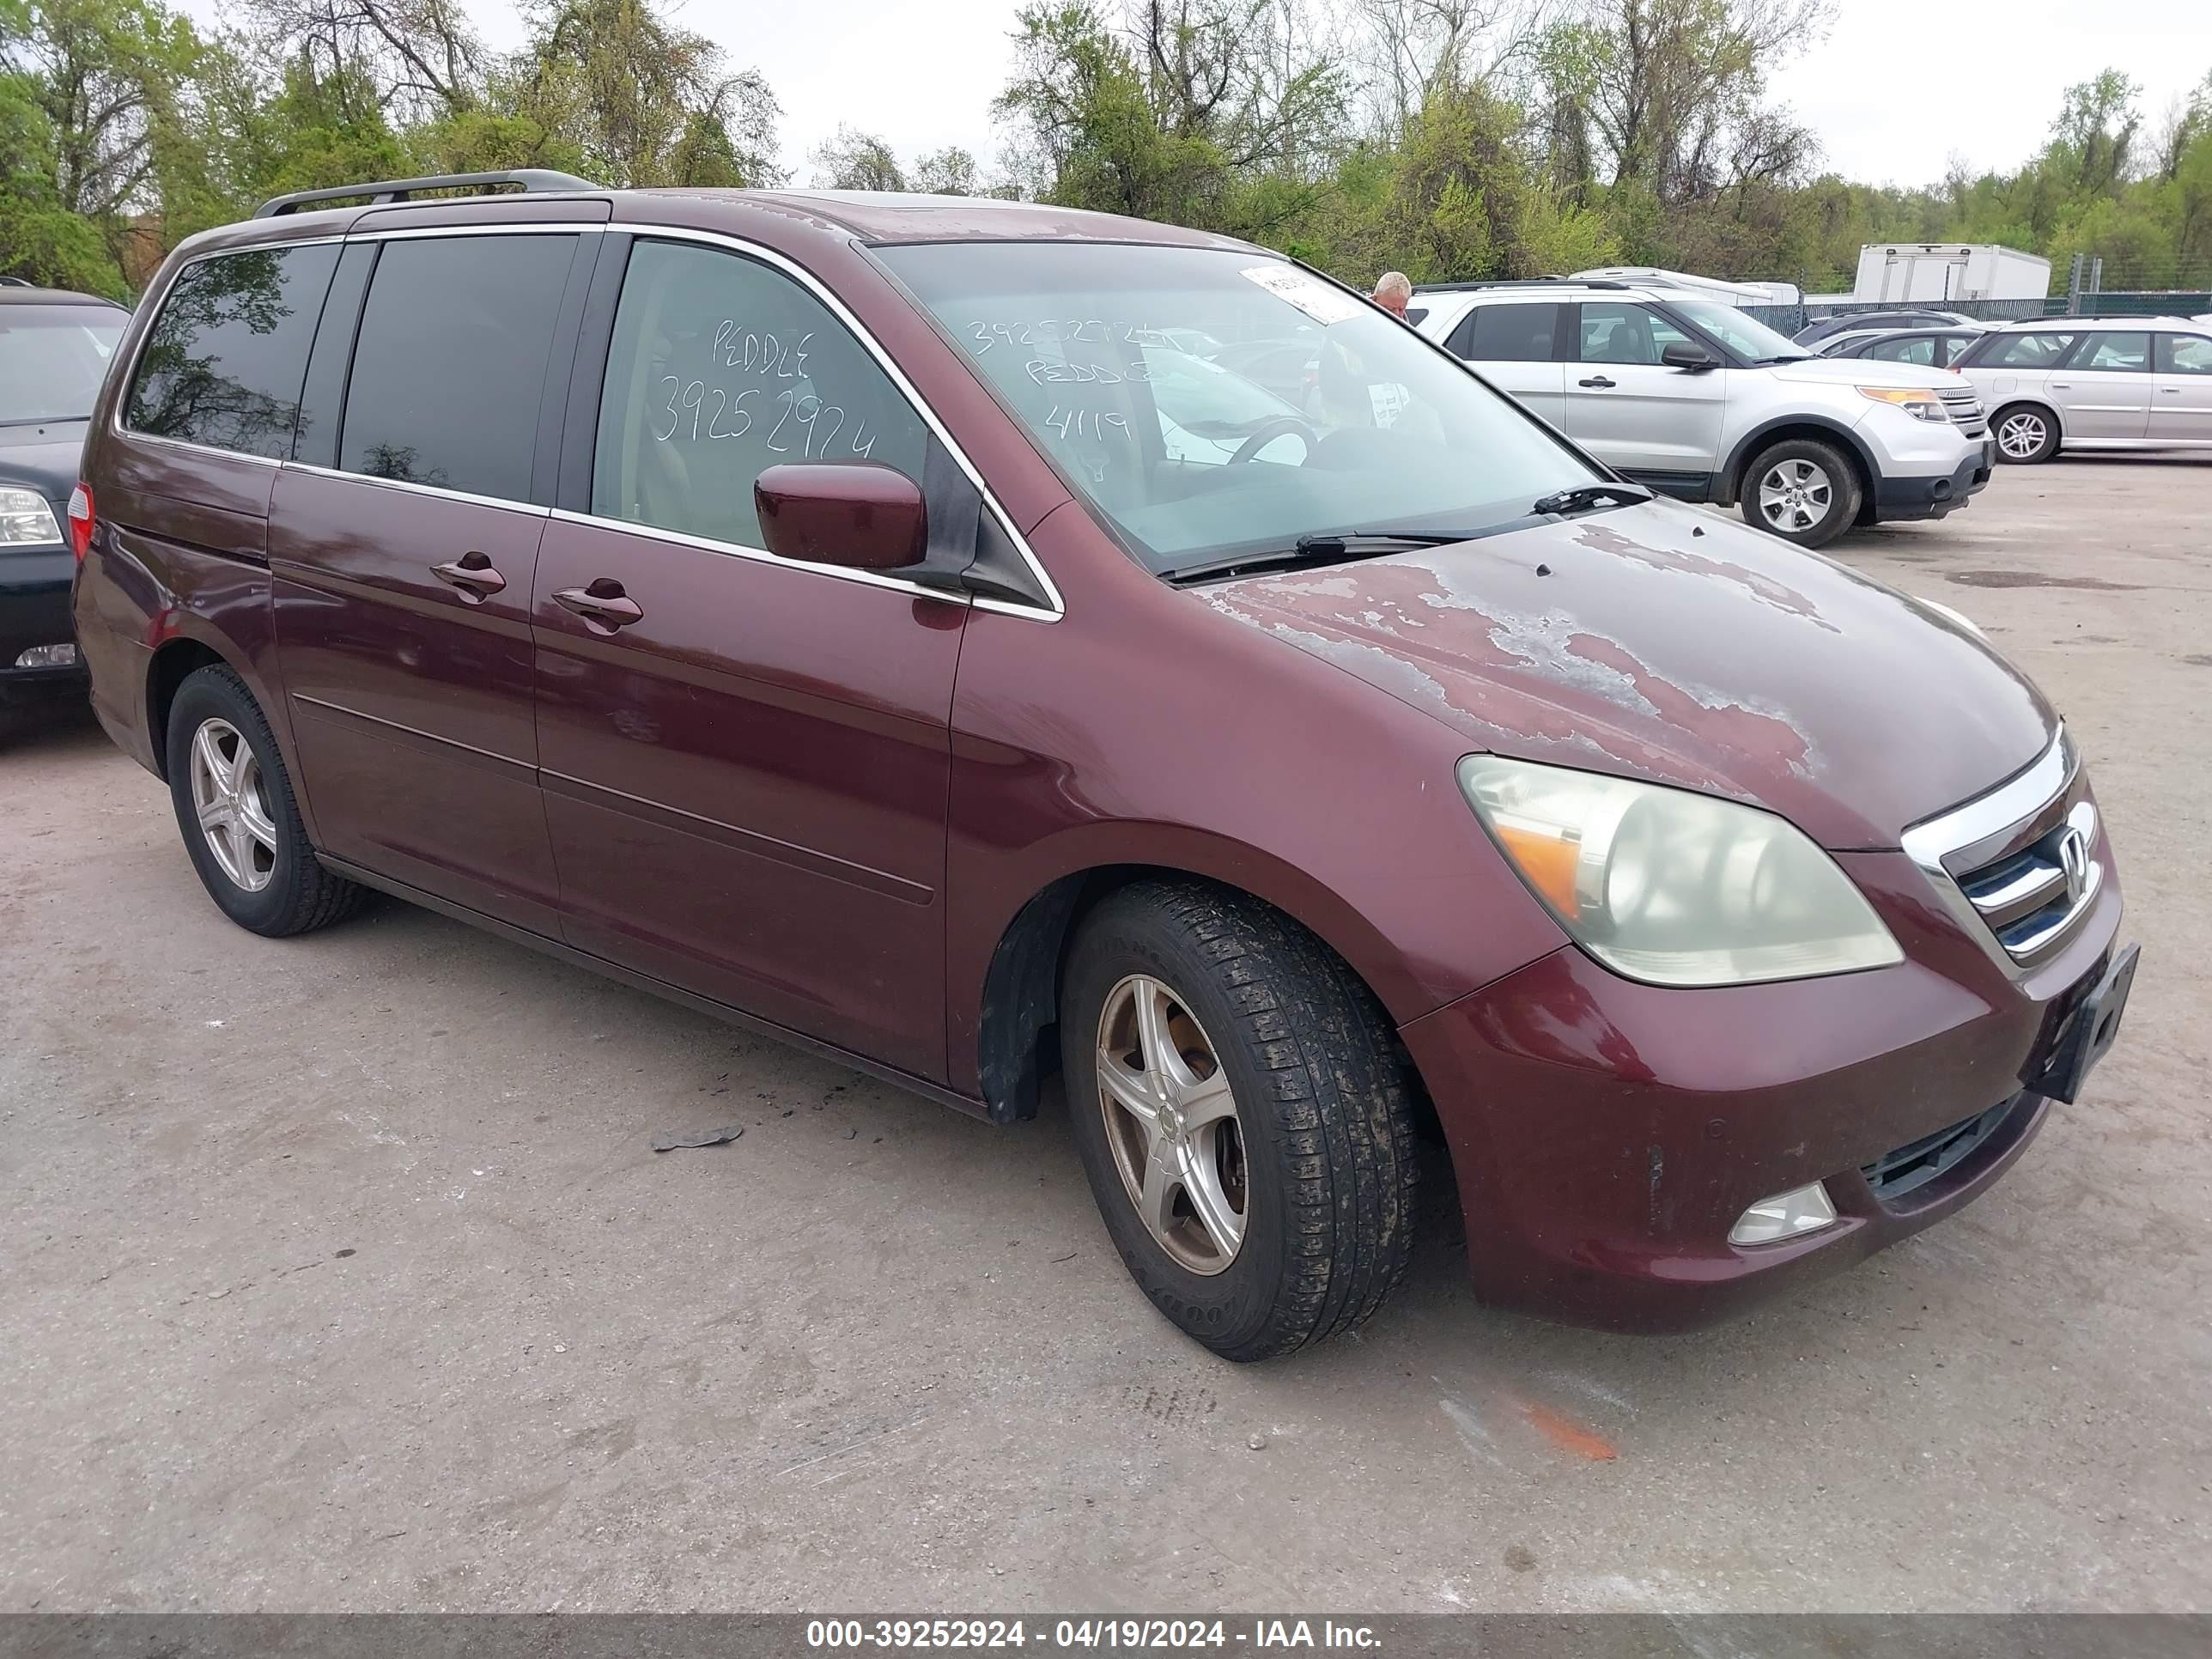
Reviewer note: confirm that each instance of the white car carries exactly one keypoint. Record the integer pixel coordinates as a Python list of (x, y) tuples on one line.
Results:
[(2091, 383), (1689, 396)]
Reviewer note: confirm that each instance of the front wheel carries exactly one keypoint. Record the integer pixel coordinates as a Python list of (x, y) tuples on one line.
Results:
[(1802, 490), (1242, 1114), (2026, 434)]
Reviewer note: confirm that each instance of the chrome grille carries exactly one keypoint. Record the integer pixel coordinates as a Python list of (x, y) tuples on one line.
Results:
[(1965, 410), (2023, 902), (2030, 897)]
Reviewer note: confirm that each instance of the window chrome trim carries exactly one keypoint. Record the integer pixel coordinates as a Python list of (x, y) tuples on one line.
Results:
[(529, 509), (2008, 806), (1055, 608), (761, 555)]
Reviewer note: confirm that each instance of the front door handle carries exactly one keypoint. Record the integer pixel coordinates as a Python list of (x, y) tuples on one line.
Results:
[(603, 605), (1596, 380), (471, 576)]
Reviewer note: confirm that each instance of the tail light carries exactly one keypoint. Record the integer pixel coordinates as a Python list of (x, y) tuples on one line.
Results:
[(80, 522)]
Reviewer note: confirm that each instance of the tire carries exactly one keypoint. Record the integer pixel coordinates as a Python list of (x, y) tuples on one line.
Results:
[(1318, 1148), (2031, 430), (1800, 479), (273, 885)]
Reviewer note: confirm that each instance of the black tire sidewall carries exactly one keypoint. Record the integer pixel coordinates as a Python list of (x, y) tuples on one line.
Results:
[(1844, 502), (218, 694), (1230, 1310)]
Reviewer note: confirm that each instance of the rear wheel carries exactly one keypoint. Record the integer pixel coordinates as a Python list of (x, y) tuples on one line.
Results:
[(1802, 490), (240, 824), (2025, 432), (1242, 1116)]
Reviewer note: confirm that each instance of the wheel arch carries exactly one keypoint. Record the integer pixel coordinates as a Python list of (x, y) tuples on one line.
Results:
[(1019, 1014), (1781, 430), (171, 663)]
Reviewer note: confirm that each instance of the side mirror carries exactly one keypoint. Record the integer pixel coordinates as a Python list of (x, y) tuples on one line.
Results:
[(1683, 355), (859, 514)]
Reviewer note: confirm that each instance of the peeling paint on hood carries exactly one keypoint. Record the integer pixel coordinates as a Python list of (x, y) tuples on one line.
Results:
[(1670, 645)]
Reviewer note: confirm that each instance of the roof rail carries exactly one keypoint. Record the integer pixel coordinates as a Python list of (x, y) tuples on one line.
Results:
[(1522, 282), (401, 190)]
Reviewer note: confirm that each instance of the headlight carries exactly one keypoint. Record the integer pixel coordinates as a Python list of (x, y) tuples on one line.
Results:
[(25, 518), (1671, 887), (1921, 403)]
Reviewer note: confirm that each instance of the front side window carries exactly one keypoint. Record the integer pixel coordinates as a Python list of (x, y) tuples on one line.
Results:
[(720, 367), (449, 367), (2185, 354), (2119, 353), (1918, 350), (225, 360), (1626, 334), (52, 359), (2027, 351), (1317, 414), (1508, 334), (1742, 334)]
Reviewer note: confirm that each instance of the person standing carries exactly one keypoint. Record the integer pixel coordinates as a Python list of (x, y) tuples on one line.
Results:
[(1393, 292)]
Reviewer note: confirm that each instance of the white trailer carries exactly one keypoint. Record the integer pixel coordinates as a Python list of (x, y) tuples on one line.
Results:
[(1931, 273)]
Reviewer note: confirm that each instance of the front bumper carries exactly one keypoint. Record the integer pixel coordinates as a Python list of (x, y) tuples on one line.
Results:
[(1931, 497), (1605, 1135), (34, 609)]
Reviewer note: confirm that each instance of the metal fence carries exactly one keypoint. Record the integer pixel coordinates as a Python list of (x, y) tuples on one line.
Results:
[(2164, 302)]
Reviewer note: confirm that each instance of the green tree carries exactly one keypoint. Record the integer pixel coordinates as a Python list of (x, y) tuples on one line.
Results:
[(642, 101)]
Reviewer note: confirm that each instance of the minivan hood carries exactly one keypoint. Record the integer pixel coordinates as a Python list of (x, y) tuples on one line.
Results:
[(1862, 371), (1658, 642)]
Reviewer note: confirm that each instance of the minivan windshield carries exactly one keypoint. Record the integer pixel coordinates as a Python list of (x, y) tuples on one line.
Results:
[(1740, 333), (1211, 402), (52, 359)]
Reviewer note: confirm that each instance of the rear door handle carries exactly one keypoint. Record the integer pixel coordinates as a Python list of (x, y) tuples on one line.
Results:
[(1595, 380), (603, 605), (471, 576)]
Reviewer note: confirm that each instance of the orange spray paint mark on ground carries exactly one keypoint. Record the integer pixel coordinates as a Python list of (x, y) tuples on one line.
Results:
[(1569, 1435)]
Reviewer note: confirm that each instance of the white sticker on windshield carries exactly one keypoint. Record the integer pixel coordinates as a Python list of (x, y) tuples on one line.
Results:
[(1324, 304)]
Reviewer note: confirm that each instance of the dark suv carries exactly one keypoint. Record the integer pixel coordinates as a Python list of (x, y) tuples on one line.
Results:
[(870, 619), (54, 351)]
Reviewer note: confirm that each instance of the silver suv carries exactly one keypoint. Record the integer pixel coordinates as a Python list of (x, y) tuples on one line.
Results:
[(2095, 383), (1692, 397)]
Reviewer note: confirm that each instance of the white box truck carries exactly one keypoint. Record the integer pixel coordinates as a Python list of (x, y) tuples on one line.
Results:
[(1930, 273)]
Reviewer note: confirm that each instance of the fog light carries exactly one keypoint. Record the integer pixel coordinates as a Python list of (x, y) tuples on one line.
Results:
[(1786, 1215), (48, 656)]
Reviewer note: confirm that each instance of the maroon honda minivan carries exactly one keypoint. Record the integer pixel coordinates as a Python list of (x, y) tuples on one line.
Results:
[(893, 621)]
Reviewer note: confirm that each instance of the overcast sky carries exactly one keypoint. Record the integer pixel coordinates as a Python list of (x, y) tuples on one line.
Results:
[(1897, 87)]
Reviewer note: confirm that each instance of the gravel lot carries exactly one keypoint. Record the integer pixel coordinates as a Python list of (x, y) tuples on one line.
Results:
[(339, 1274)]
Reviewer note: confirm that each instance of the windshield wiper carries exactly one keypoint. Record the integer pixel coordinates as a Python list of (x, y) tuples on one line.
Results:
[(1327, 549), (1582, 497)]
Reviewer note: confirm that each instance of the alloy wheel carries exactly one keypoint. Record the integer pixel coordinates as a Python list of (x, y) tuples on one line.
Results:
[(231, 802), (1171, 1124), (1795, 496), (2022, 434)]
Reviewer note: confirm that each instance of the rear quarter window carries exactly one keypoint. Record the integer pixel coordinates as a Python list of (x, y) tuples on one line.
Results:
[(225, 359)]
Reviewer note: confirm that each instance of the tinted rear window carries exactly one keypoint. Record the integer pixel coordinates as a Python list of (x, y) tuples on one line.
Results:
[(449, 368), (224, 361), (1508, 334)]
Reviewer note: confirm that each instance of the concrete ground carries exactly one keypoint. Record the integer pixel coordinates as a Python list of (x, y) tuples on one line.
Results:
[(339, 1274)]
